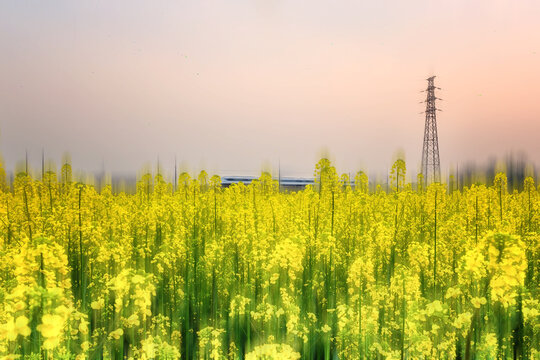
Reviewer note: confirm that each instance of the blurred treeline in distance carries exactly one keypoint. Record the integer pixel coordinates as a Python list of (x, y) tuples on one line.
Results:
[(515, 166)]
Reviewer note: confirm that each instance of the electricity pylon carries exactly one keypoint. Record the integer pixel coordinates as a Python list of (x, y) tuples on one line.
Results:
[(431, 165)]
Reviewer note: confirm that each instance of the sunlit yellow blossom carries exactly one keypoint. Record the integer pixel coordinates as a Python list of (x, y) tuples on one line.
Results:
[(85, 346), (326, 328), (149, 348), (137, 279), (273, 352), (83, 326), (434, 307), (116, 334), (21, 326), (10, 357), (452, 293), (478, 301), (133, 320), (21, 305), (463, 322), (8, 330), (63, 311), (97, 304), (51, 325)]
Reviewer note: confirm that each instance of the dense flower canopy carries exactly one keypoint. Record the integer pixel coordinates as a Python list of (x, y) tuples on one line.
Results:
[(341, 269)]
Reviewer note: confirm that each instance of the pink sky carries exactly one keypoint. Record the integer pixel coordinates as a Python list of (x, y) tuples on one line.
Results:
[(235, 86)]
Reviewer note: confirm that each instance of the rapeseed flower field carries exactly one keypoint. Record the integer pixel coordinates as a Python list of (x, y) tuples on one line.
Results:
[(335, 271)]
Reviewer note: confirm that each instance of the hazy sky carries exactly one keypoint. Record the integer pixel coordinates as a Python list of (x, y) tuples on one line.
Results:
[(233, 86)]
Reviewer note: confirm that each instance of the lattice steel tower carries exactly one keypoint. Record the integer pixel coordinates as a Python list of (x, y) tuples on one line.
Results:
[(431, 166)]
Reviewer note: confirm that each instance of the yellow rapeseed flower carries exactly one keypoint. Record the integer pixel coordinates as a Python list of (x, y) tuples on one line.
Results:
[(478, 301), (51, 325), (97, 304), (8, 331), (116, 334), (21, 326), (15, 327)]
